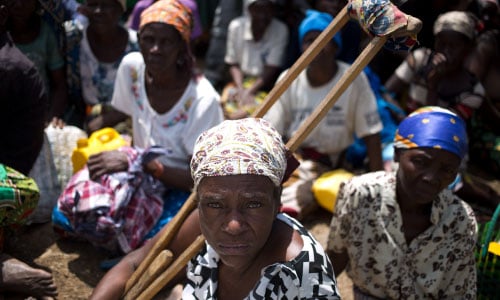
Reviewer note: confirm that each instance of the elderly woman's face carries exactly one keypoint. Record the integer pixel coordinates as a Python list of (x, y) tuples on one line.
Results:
[(237, 214), (160, 45), (424, 172)]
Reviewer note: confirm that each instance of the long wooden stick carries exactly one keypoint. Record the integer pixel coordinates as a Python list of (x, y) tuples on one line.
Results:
[(156, 268), (347, 78), (162, 243), (305, 129), (175, 268), (306, 57), (303, 61), (354, 70)]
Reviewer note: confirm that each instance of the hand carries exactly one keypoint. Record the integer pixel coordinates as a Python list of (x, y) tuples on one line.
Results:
[(106, 162), (246, 97), (154, 167), (437, 70), (57, 122)]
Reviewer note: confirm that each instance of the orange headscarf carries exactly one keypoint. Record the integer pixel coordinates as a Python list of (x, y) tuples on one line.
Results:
[(169, 12)]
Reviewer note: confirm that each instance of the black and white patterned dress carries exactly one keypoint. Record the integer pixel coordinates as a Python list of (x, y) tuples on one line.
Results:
[(308, 276)]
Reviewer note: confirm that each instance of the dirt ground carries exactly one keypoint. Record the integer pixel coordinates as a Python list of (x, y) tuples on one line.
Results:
[(76, 265)]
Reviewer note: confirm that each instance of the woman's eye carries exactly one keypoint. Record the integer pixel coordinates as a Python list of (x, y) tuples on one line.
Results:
[(214, 205), (418, 161), (254, 204)]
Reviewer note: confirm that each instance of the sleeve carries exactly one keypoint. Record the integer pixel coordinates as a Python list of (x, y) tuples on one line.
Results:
[(405, 71), (124, 88), (341, 219), (464, 267), (231, 43), (205, 114), (280, 41), (367, 118)]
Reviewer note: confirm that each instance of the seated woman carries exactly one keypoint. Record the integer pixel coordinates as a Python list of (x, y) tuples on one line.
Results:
[(95, 50), (169, 106), (439, 76), (252, 250), (403, 234), (255, 54)]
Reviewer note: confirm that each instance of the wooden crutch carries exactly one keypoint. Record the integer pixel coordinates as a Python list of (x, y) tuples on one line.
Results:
[(174, 225), (309, 124)]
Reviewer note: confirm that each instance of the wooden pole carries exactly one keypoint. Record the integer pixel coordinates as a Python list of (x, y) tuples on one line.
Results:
[(170, 230), (303, 61), (352, 72), (322, 109), (175, 268), (153, 286), (306, 57)]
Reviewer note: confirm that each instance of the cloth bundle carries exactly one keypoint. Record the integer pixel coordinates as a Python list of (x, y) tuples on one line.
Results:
[(383, 18), (118, 211)]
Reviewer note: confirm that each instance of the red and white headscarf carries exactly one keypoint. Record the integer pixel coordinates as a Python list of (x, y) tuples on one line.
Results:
[(234, 147)]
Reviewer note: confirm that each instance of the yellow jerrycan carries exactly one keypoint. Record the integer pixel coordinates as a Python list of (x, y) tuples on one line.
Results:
[(326, 187), (105, 139)]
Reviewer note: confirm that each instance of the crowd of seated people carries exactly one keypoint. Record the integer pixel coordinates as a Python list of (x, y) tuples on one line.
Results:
[(163, 72)]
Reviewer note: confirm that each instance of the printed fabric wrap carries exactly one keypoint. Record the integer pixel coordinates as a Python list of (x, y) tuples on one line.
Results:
[(19, 197), (382, 18), (432, 127), (118, 211), (244, 146), (170, 12)]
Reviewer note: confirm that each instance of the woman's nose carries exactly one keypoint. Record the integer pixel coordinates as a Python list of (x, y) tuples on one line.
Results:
[(235, 223)]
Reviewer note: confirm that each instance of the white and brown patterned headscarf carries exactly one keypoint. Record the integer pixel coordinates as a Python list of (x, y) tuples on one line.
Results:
[(234, 147), (458, 21)]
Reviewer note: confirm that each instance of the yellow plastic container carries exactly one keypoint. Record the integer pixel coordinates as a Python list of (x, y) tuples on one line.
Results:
[(326, 187), (105, 139)]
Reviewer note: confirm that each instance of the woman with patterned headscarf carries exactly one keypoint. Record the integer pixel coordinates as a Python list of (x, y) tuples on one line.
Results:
[(252, 251), (403, 234)]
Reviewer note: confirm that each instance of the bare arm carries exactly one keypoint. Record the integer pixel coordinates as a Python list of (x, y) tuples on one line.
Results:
[(339, 261), (112, 285), (106, 119), (58, 93), (374, 150), (178, 178), (236, 75)]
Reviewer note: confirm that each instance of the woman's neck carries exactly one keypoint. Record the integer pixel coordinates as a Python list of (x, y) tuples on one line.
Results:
[(104, 35)]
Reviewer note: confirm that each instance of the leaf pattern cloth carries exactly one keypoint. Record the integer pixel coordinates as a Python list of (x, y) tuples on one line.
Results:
[(437, 264)]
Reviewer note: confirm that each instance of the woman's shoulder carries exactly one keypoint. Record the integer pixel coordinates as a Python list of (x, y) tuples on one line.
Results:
[(372, 179), (204, 89), (133, 59)]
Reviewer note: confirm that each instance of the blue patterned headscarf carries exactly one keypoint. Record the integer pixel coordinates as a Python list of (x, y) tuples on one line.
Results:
[(317, 21), (432, 127)]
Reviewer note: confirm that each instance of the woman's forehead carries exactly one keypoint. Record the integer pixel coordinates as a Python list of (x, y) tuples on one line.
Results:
[(242, 182)]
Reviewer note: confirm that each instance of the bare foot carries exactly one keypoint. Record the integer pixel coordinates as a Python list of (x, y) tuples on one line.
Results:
[(18, 277)]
